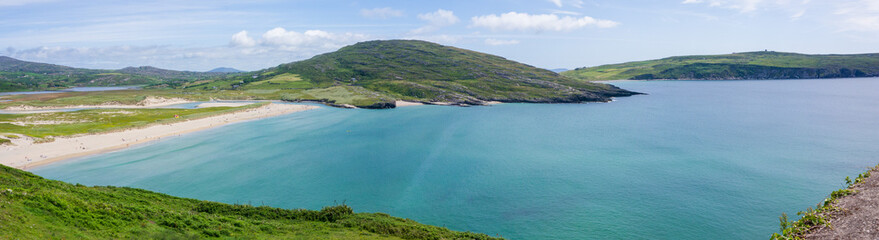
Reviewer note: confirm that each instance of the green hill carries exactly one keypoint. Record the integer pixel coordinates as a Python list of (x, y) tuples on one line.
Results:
[(35, 208), (749, 65), (18, 75), (376, 73)]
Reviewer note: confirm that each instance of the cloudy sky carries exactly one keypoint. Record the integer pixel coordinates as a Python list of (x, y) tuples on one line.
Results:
[(200, 35)]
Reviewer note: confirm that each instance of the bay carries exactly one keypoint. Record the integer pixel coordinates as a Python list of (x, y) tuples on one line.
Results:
[(691, 160)]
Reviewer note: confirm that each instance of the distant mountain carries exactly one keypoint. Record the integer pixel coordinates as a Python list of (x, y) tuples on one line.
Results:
[(168, 74), (558, 70), (748, 65), (224, 70), (381, 72), (8, 64), (18, 75)]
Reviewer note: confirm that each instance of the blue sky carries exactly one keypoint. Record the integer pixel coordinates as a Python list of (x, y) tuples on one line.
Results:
[(200, 35)]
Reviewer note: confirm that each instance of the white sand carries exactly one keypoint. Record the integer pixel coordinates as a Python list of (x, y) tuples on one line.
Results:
[(149, 102), (400, 103), (223, 104), (25, 153)]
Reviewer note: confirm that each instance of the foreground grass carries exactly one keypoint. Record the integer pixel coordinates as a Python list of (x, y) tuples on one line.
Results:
[(819, 216), (103, 120), (35, 208)]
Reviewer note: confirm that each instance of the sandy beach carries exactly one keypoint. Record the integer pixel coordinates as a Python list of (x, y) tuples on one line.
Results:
[(24, 153), (400, 103), (149, 102)]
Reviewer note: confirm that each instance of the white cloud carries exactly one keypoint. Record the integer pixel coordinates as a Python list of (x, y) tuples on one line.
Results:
[(562, 12), (561, 3), (441, 39), (498, 42), (22, 2), (241, 39), (436, 20), (381, 13), (318, 39), (859, 15), (441, 17), (798, 15), (513, 21), (751, 5)]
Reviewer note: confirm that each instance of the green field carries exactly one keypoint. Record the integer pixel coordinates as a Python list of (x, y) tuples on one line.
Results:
[(35, 208), (283, 81), (102, 120), (749, 65)]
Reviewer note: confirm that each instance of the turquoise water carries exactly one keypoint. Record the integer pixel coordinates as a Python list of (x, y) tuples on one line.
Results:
[(692, 160)]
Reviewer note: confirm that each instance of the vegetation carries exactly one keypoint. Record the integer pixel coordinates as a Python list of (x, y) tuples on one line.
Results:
[(101, 120), (17, 75), (818, 216), (370, 74), (376, 73), (749, 65), (35, 208)]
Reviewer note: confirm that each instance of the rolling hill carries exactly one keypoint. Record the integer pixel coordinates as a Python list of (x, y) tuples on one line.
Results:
[(379, 72), (748, 65), (224, 70), (36, 208), (18, 75)]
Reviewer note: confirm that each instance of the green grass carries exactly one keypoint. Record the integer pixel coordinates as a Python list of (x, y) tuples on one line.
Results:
[(819, 216), (102, 120), (351, 95), (749, 65), (369, 74), (35, 208), (282, 81), (376, 73)]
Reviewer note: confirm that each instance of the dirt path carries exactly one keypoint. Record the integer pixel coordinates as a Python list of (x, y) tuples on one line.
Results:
[(859, 215)]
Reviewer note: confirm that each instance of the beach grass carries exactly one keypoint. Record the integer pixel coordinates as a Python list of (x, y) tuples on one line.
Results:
[(102, 120), (32, 207), (353, 95)]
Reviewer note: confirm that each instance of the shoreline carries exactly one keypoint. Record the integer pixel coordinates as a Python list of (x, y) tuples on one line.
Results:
[(25, 153)]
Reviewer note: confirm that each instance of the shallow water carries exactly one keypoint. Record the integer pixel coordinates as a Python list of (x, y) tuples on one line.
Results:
[(692, 160)]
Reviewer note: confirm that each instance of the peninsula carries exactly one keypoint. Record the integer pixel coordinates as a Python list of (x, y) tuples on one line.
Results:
[(748, 65)]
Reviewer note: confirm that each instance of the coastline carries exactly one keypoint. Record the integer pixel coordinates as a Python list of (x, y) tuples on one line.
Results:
[(26, 153)]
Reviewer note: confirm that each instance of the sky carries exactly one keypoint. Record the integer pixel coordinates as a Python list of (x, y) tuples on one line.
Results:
[(199, 35)]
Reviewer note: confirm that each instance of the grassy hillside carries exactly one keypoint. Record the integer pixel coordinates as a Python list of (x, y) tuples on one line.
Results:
[(102, 120), (376, 73), (35, 208), (749, 65), (17, 75)]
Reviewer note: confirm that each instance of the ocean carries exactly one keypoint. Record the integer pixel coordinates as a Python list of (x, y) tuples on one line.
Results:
[(690, 160)]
